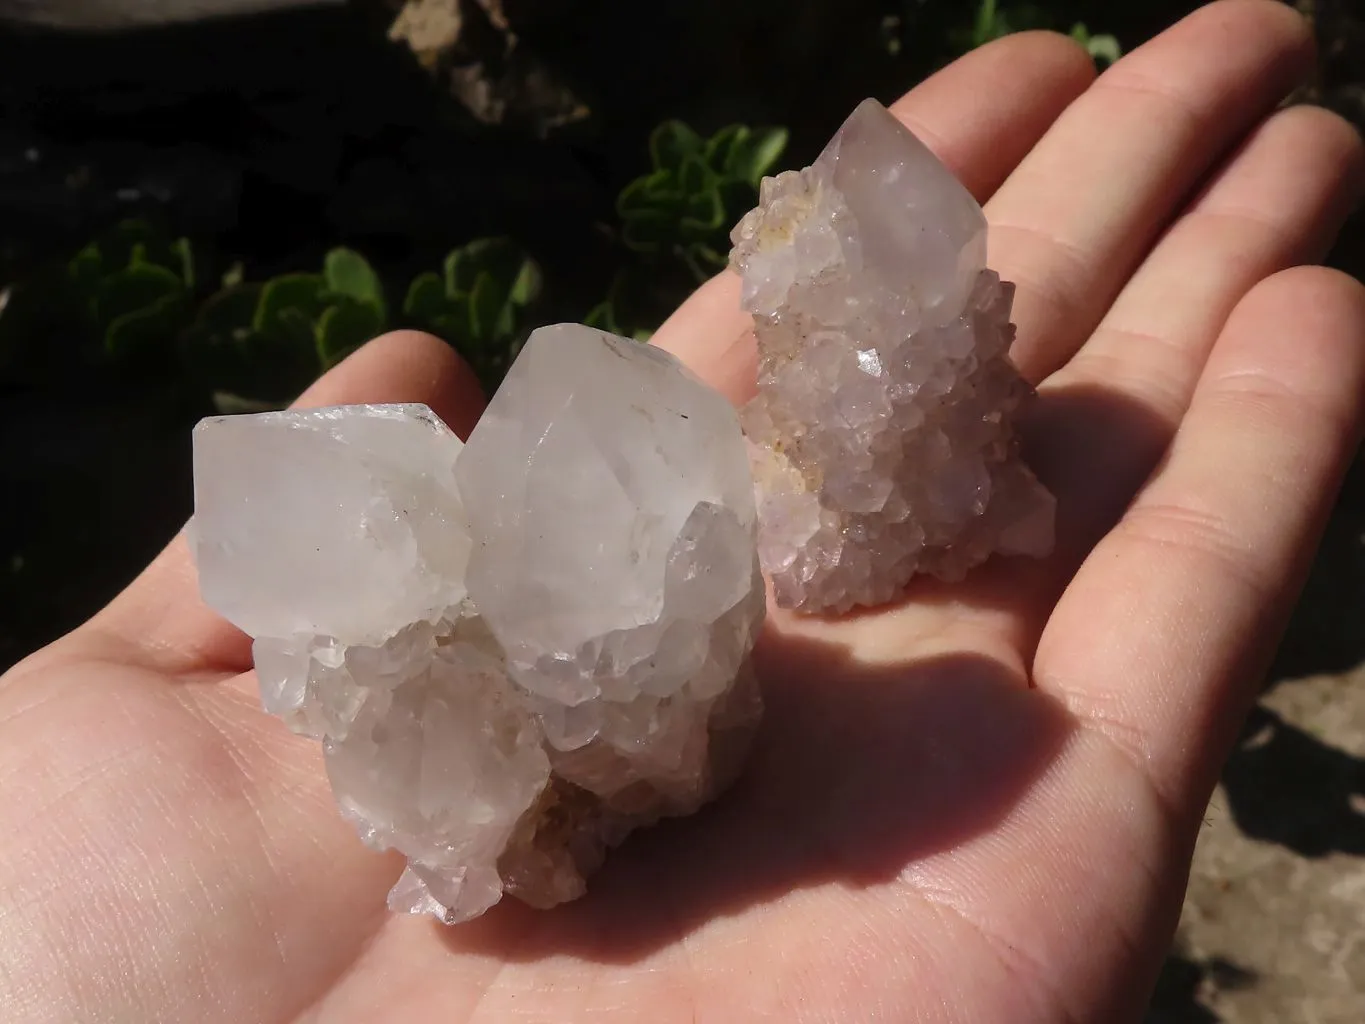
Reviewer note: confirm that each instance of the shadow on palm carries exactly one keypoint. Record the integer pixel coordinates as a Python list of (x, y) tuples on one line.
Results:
[(856, 773), (860, 770)]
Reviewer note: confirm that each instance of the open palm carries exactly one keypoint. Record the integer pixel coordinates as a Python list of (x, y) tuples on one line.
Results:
[(977, 806)]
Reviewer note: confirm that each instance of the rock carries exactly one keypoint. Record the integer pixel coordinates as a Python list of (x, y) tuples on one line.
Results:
[(883, 432), (107, 15), (471, 45), (513, 651)]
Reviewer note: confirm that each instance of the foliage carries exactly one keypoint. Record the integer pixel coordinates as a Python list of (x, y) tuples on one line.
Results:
[(121, 295), (267, 341), (697, 188), (131, 300), (479, 303), (256, 344), (1103, 48), (676, 219), (133, 286), (994, 20), (632, 309)]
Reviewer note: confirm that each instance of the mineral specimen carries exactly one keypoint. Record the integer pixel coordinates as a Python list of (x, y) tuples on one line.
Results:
[(883, 434), (514, 651)]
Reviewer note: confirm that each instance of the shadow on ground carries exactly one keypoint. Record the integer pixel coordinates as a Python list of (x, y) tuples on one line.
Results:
[(1286, 786), (1183, 978)]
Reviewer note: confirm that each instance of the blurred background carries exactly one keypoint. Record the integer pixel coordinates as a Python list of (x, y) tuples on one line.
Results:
[(205, 203)]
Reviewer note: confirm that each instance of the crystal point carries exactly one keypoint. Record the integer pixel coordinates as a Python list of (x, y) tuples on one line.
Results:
[(883, 434)]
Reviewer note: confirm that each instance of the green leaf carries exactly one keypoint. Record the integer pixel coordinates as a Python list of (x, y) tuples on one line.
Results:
[(602, 317), (721, 145), (753, 157), (348, 273), (231, 311), (184, 255), (284, 335), (1104, 49), (119, 245), (214, 348), (705, 215), (487, 301), (526, 287), (145, 328), (695, 176), (426, 298), (228, 404), (650, 192), (453, 327), (703, 261), (301, 294), (343, 328), (86, 268), (138, 286), (670, 142), (234, 275), (648, 230), (500, 257)]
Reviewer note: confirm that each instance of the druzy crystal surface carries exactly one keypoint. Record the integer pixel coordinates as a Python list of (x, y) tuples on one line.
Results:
[(515, 650), (883, 432)]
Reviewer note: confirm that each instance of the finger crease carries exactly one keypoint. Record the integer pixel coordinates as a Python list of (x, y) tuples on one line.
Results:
[(1006, 954), (1182, 530)]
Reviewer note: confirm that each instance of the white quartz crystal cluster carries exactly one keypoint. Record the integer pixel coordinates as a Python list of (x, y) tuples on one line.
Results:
[(883, 431), (514, 650)]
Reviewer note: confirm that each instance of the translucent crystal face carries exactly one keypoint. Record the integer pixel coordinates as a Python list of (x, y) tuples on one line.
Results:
[(882, 436), (919, 233), (578, 502), (391, 546), (606, 501)]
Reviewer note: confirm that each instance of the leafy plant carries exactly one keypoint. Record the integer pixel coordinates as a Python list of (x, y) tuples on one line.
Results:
[(684, 207), (479, 303), (266, 342), (994, 20), (124, 295), (620, 313), (1104, 49)]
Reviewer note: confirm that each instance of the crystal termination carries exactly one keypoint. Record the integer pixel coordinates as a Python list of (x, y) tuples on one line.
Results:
[(882, 435)]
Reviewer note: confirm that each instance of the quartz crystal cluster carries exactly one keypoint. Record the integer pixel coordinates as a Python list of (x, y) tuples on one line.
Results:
[(515, 650), (882, 435)]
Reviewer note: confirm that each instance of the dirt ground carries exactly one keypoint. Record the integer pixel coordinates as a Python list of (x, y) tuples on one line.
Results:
[(1273, 930)]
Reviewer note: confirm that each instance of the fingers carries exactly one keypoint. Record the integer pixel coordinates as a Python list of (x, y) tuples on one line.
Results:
[(980, 115), (403, 366), (1106, 417), (1158, 642), (160, 618), (1078, 215)]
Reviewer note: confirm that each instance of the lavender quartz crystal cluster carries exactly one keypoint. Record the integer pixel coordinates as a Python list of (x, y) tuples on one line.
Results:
[(516, 651), (883, 430), (513, 651)]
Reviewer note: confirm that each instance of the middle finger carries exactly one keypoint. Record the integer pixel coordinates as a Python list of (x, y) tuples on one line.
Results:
[(1079, 214)]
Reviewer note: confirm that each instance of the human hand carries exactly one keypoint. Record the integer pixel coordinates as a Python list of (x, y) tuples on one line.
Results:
[(978, 805)]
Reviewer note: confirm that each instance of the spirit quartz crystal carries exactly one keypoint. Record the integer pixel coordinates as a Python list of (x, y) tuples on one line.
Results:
[(883, 432)]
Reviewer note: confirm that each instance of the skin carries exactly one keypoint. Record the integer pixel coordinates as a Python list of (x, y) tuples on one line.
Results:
[(978, 805)]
